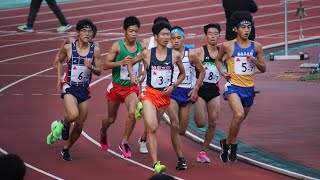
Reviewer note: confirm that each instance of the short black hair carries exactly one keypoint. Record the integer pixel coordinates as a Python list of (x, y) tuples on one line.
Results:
[(161, 18), (84, 23), (211, 25), (130, 21), (161, 176), (177, 27), (94, 31), (238, 16), (12, 167), (156, 28)]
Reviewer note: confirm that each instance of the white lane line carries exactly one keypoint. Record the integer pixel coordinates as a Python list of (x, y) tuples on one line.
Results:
[(88, 137), (17, 94), (25, 78), (109, 12), (27, 7), (34, 168), (120, 156), (21, 75), (36, 94), (79, 8)]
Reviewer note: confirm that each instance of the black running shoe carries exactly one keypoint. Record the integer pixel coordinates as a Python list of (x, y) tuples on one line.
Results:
[(233, 153), (66, 154), (224, 150), (65, 132), (182, 165)]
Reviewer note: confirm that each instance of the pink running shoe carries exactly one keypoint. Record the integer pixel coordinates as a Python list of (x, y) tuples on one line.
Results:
[(104, 142), (202, 157), (124, 148)]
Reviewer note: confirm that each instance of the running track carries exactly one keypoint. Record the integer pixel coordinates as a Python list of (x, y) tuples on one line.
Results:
[(29, 101)]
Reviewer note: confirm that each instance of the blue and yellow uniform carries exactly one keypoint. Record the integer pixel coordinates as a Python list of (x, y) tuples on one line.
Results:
[(241, 74)]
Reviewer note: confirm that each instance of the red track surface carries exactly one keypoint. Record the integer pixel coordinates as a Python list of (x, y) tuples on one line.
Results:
[(26, 115)]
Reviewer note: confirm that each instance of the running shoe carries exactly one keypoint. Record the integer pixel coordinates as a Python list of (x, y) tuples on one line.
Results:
[(66, 154), (182, 165), (104, 141), (143, 146), (65, 132), (124, 148), (202, 157), (158, 168), (56, 128), (25, 28), (233, 153), (224, 150), (51, 139), (137, 114), (64, 28)]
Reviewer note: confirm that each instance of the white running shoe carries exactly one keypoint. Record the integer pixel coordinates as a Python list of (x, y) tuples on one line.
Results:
[(143, 147)]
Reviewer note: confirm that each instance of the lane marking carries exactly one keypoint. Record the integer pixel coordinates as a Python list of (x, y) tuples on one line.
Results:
[(19, 8), (87, 136), (34, 168), (109, 12), (79, 8)]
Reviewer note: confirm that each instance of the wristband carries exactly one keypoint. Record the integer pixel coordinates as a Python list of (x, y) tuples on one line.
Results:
[(92, 67), (175, 86)]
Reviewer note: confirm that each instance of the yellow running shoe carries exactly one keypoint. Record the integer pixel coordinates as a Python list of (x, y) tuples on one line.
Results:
[(137, 114), (158, 168)]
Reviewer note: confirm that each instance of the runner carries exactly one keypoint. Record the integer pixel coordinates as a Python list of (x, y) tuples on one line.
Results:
[(120, 89), (185, 94), (208, 104), (244, 55), (160, 62), (83, 60), (150, 43)]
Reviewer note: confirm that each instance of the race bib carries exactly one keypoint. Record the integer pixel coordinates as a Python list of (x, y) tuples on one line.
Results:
[(160, 78), (124, 74), (243, 67), (80, 73), (212, 73)]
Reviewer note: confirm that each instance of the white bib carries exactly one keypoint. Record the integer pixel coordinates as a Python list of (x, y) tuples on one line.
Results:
[(160, 78), (212, 74), (243, 67), (124, 74), (80, 73)]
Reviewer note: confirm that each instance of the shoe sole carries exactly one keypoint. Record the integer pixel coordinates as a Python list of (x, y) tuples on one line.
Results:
[(123, 154), (202, 161), (181, 169), (144, 152), (65, 29), (65, 159)]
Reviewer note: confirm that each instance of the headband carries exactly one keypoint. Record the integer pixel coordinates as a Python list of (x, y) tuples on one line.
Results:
[(177, 31), (242, 23), (86, 26)]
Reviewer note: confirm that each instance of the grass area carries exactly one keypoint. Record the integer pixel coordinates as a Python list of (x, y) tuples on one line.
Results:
[(312, 77)]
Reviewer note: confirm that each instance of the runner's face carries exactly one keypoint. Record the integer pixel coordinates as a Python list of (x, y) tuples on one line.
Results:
[(177, 41), (131, 33), (212, 36), (85, 34), (163, 37), (244, 31)]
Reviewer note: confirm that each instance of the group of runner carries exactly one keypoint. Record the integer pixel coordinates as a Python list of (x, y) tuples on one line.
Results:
[(160, 74)]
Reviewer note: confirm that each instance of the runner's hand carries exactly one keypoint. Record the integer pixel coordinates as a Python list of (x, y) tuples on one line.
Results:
[(125, 61), (134, 81), (88, 63), (251, 59), (167, 91), (226, 75)]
